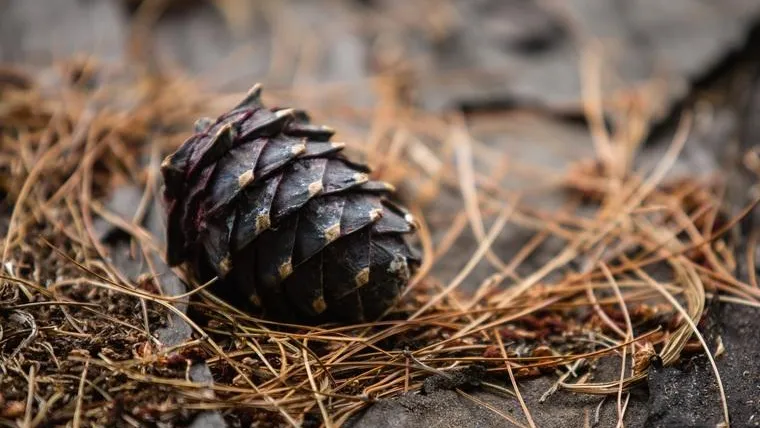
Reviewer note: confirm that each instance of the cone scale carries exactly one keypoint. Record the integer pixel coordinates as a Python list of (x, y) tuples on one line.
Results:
[(263, 200)]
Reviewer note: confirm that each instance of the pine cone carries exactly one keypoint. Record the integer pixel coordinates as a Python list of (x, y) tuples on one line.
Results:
[(262, 199)]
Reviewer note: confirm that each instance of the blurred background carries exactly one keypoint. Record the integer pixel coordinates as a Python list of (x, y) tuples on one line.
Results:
[(451, 53)]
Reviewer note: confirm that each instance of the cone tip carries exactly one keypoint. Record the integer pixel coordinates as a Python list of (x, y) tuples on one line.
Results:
[(315, 188), (285, 112), (332, 233), (319, 305), (298, 149), (362, 278), (202, 124), (376, 214), (263, 222), (167, 162), (245, 179), (225, 266), (411, 220), (252, 97), (285, 269)]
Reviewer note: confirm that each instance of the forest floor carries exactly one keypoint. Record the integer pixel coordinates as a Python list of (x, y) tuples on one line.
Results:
[(586, 174)]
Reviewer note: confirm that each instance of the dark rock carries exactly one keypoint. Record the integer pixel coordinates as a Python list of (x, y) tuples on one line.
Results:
[(446, 408), (687, 395), (442, 408), (208, 420), (201, 373), (123, 202), (739, 367), (466, 378), (683, 396)]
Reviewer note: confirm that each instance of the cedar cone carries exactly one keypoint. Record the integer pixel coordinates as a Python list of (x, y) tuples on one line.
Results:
[(263, 200)]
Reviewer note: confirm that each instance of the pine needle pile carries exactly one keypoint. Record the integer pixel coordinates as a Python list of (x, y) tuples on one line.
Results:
[(636, 257)]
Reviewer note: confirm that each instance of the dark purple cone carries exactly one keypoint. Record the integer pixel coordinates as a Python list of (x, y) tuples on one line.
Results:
[(262, 199)]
